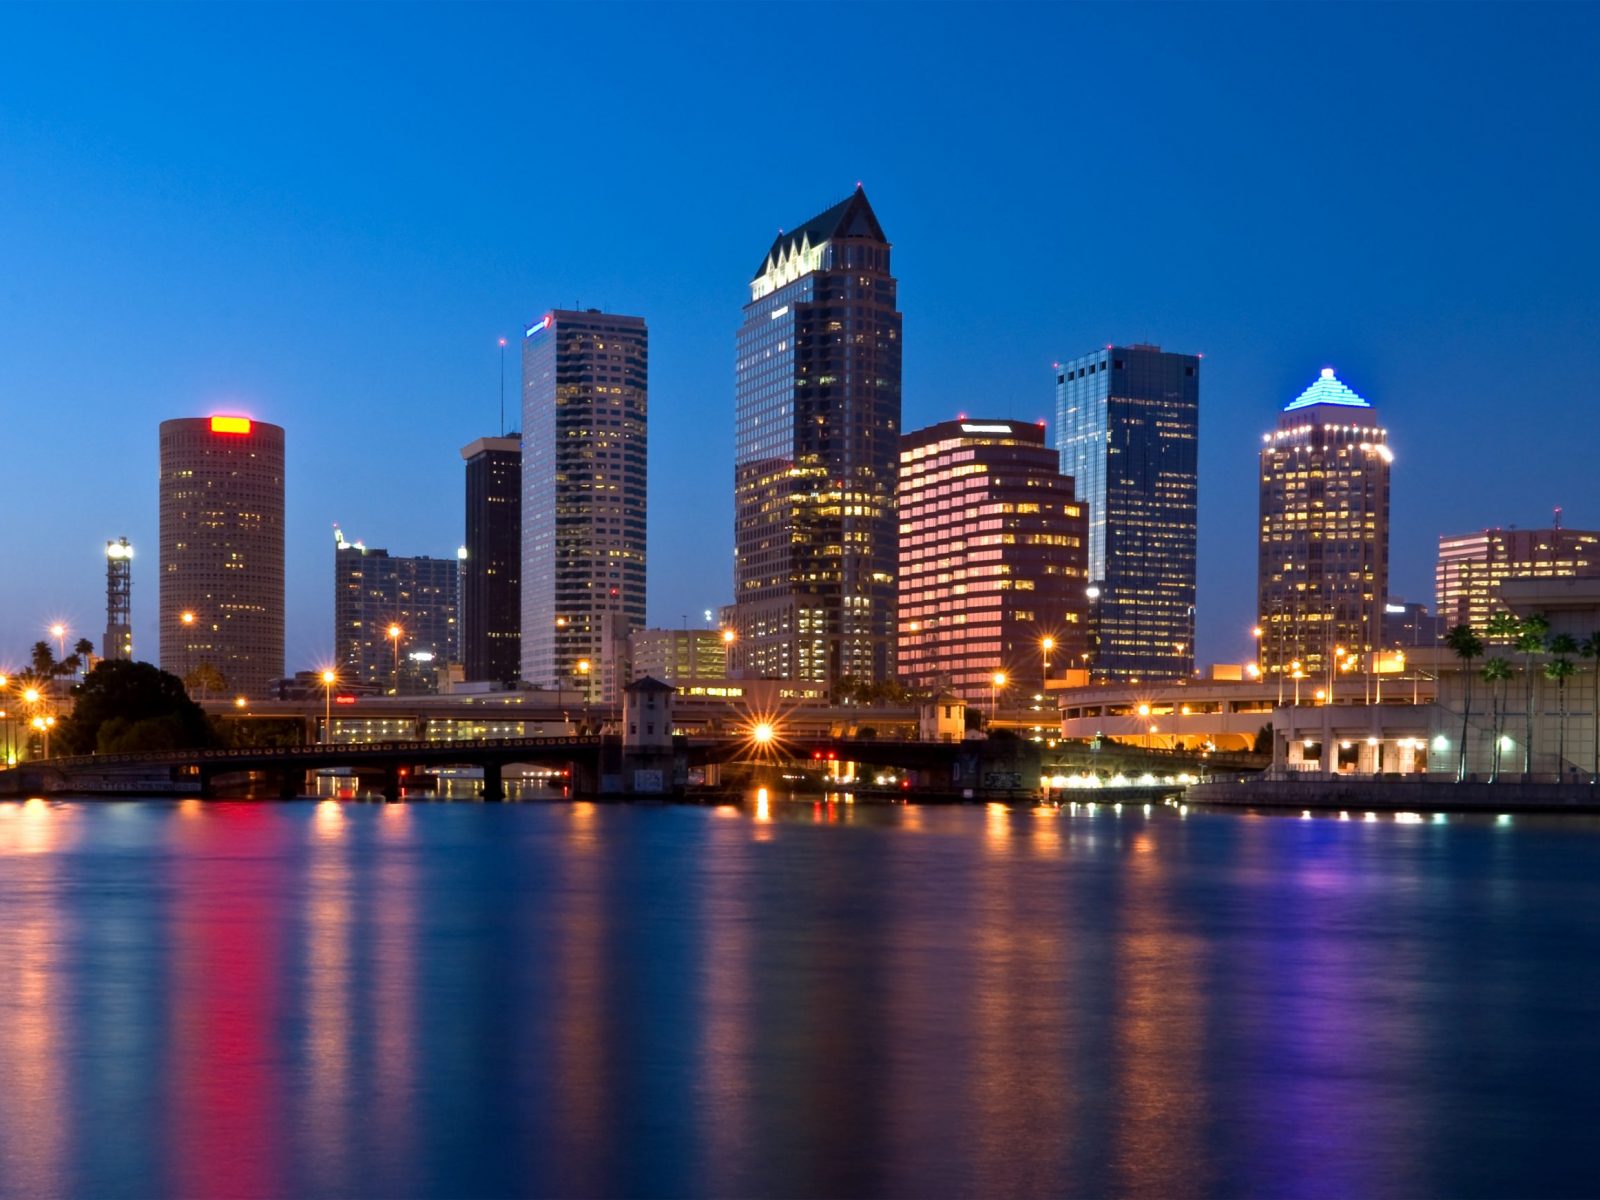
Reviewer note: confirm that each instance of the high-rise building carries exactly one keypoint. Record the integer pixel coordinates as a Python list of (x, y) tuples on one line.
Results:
[(992, 559), (1472, 567), (679, 656), (1127, 426), (118, 643), (394, 617), (816, 447), (585, 390), (221, 592), (1323, 573), (491, 602)]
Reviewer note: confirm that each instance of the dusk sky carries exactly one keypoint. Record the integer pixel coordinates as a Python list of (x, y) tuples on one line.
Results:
[(325, 216)]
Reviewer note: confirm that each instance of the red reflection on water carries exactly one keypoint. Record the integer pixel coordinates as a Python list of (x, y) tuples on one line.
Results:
[(224, 1133)]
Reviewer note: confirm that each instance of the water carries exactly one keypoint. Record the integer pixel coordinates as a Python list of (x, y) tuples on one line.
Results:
[(351, 999)]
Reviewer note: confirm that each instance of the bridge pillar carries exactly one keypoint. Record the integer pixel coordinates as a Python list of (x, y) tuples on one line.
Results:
[(291, 782), (207, 792), (391, 781), (494, 787)]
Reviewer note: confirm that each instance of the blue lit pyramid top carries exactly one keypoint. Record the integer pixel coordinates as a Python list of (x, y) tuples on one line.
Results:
[(1327, 390)]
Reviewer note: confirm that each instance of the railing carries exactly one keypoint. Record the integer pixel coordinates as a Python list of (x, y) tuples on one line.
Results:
[(316, 751)]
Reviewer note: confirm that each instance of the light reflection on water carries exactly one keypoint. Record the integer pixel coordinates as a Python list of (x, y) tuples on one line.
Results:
[(819, 997)]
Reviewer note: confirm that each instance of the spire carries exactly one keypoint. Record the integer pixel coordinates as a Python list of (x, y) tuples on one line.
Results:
[(1327, 390)]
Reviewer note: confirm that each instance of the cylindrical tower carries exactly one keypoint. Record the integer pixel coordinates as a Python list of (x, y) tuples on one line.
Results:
[(221, 609)]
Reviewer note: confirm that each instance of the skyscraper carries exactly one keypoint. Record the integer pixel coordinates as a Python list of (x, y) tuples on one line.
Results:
[(585, 389), (1324, 552), (491, 602), (118, 643), (1127, 426), (816, 449), (992, 559), (1472, 566), (221, 603), (394, 617)]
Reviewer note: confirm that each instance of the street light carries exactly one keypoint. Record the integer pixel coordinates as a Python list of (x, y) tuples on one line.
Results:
[(59, 632), (584, 667), (1047, 644), (1297, 676), (394, 635), (328, 678), (996, 682)]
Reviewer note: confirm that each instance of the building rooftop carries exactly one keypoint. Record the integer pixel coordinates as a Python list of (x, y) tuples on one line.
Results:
[(1327, 390), (851, 217)]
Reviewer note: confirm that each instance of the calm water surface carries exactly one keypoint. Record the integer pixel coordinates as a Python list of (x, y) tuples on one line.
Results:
[(353, 999)]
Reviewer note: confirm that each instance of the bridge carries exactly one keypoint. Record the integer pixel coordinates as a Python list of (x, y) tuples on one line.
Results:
[(988, 767), (578, 754)]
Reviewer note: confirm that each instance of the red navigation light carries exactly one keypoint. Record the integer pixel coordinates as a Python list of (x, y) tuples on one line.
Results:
[(230, 424)]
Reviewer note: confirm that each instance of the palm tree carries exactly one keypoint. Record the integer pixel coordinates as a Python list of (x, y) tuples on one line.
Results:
[(43, 660), (1502, 627), (1530, 640), (1496, 671), (83, 651), (1559, 670), (1467, 646), (1590, 648)]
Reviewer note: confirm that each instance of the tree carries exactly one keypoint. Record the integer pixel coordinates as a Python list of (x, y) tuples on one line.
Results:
[(1590, 649), (43, 660), (207, 678), (1530, 640), (1558, 670), (133, 706), (1495, 673), (1467, 646), (83, 651)]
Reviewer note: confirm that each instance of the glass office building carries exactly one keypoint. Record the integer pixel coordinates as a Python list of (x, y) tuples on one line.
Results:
[(816, 448), (1472, 566), (1323, 577), (585, 388), (491, 601), (1127, 427), (375, 592)]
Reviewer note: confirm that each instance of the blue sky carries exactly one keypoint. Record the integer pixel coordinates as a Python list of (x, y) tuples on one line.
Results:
[(325, 216)]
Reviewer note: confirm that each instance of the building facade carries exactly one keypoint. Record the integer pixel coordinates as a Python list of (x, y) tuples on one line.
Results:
[(993, 559), (1323, 563), (394, 618), (221, 557), (1128, 429), (680, 655), (1472, 567), (585, 390), (816, 447), (491, 600)]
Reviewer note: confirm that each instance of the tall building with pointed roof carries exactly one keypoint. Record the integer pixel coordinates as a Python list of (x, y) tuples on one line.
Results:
[(1324, 535), (816, 452)]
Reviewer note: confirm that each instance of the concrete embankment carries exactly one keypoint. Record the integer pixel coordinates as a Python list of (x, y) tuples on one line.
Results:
[(1397, 795)]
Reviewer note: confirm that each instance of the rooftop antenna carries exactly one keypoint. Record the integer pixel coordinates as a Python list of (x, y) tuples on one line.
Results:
[(1558, 516), (502, 387)]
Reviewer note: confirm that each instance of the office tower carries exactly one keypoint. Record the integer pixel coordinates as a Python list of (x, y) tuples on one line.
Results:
[(1324, 551), (1127, 426), (394, 618), (993, 560), (585, 387), (491, 603), (221, 592), (1472, 566), (816, 446), (678, 656), (1410, 626), (118, 643)]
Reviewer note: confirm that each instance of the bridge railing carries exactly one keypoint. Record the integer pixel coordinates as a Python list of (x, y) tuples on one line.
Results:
[(318, 751)]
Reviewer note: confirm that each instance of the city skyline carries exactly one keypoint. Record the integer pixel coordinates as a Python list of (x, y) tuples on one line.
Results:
[(304, 305)]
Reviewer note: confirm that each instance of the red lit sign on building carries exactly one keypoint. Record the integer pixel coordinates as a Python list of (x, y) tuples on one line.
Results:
[(230, 424)]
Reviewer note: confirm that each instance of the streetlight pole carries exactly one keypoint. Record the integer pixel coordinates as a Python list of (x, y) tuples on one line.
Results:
[(394, 635), (996, 682), (1047, 644), (584, 668), (327, 705)]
